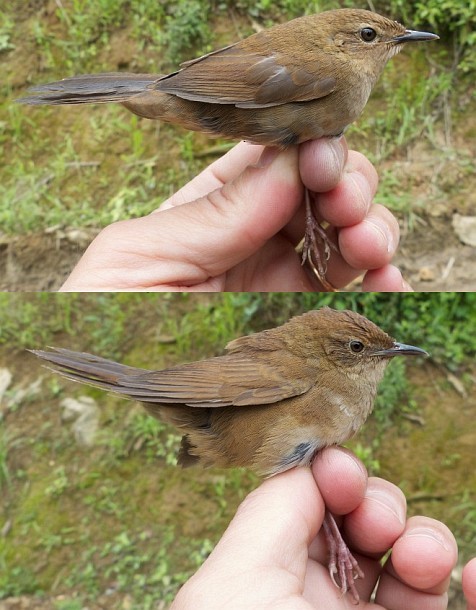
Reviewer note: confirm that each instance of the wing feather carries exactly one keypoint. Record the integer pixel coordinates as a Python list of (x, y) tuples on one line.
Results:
[(235, 379), (248, 79)]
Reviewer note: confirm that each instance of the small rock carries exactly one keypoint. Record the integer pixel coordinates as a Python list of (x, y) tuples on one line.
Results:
[(465, 229), (7, 526), (21, 394), (426, 274), (78, 236), (457, 384), (5, 381), (127, 603), (85, 413)]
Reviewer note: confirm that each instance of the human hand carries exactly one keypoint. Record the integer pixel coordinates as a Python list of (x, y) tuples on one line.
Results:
[(273, 554), (236, 225), (469, 584)]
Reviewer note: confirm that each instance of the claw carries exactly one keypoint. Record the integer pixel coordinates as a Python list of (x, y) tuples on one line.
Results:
[(311, 253), (341, 560)]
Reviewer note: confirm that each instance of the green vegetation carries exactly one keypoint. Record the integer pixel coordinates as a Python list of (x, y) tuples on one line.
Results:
[(452, 19), (92, 166), (199, 325), (120, 516)]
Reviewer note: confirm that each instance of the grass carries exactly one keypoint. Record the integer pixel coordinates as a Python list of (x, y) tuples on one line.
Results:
[(90, 167), (4, 470), (120, 516)]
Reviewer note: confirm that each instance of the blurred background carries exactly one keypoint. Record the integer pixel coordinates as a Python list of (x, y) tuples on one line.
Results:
[(94, 513), (67, 172)]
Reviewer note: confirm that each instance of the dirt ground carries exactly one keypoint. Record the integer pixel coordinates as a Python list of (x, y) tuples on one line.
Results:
[(28, 603), (42, 261), (436, 252), (439, 177), (431, 257), (445, 416)]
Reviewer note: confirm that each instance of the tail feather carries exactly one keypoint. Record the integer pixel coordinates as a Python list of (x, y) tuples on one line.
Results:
[(89, 369), (89, 89)]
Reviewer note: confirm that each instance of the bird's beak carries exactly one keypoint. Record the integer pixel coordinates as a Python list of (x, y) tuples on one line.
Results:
[(414, 36), (401, 349)]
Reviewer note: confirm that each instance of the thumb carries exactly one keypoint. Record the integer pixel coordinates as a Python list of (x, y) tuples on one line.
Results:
[(189, 243), (262, 557), (228, 225), (273, 526)]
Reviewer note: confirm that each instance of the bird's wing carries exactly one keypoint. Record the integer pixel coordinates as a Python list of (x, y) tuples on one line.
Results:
[(257, 79), (235, 379), (218, 382)]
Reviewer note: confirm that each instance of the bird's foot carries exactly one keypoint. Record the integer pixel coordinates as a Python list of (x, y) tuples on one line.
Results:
[(341, 561), (316, 240)]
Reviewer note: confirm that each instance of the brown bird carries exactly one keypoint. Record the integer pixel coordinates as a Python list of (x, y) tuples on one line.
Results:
[(271, 403), (301, 80)]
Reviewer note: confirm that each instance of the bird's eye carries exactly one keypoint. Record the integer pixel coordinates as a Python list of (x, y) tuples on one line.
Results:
[(368, 34), (356, 346)]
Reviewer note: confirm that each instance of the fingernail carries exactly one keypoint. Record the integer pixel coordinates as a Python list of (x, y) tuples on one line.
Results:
[(355, 465), (338, 454), (427, 533), (383, 231), (406, 286), (337, 148), (388, 502), (362, 186), (268, 155)]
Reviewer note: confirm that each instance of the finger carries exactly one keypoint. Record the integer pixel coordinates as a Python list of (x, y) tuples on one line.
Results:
[(369, 234), (341, 478), (349, 202), (376, 517), (225, 169), (321, 163), (379, 519), (230, 224), (372, 528), (370, 244), (342, 194), (469, 584), (385, 279), (418, 571)]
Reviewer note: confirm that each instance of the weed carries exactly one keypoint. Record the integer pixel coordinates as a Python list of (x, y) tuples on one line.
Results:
[(4, 470), (16, 581), (450, 18), (69, 604), (463, 514), (367, 455), (186, 27), (7, 26), (59, 484), (67, 171)]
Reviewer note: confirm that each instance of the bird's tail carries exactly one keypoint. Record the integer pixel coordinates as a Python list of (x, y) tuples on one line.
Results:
[(90, 89), (90, 369)]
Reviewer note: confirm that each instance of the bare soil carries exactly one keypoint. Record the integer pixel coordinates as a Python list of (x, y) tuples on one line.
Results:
[(439, 178), (42, 261), (435, 449), (431, 257)]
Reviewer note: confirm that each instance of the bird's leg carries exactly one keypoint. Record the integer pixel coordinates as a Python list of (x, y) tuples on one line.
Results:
[(341, 560), (315, 236)]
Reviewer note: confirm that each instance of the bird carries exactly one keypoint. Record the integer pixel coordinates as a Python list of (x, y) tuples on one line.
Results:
[(296, 81), (270, 403)]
